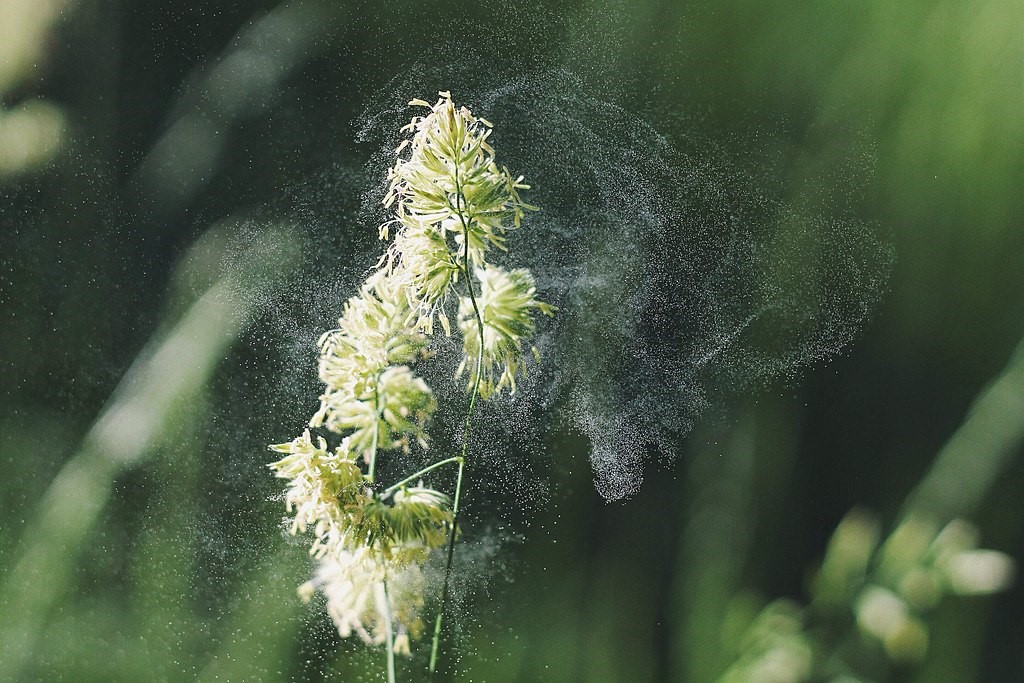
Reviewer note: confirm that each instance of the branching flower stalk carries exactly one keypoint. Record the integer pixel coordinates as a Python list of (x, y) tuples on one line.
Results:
[(870, 602), (452, 204)]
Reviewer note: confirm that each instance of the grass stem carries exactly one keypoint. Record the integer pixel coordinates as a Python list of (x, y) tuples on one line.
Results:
[(474, 392)]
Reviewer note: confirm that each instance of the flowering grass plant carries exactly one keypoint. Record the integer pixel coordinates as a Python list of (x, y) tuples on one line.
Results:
[(453, 206)]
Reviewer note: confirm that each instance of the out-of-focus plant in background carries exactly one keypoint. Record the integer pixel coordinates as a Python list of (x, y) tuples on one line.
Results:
[(169, 179), (31, 128)]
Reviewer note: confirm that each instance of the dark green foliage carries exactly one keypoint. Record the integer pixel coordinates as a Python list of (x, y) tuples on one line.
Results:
[(238, 146)]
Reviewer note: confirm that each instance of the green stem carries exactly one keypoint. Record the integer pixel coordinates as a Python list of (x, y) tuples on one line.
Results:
[(435, 643), (394, 487), (390, 638), (475, 391)]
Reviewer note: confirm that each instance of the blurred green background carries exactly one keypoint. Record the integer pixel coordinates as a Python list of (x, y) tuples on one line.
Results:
[(157, 161)]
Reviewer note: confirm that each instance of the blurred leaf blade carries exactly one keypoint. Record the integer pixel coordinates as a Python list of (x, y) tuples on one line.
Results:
[(170, 373)]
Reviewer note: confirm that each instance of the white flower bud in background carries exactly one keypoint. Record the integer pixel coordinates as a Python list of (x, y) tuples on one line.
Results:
[(978, 572), (883, 615), (889, 589)]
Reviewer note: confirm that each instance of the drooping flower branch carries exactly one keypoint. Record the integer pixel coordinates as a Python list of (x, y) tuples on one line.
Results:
[(452, 203)]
